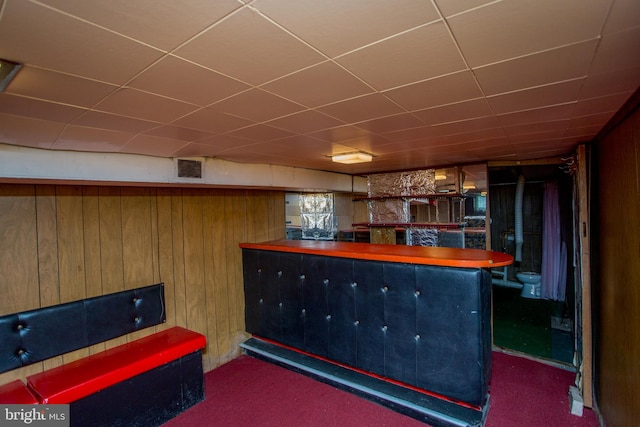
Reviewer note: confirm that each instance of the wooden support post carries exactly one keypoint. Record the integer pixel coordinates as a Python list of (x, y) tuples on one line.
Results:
[(585, 280)]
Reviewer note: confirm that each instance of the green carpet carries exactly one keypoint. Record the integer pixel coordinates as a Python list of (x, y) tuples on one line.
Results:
[(524, 325)]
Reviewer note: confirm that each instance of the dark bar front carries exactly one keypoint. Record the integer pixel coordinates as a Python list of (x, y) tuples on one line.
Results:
[(425, 326)]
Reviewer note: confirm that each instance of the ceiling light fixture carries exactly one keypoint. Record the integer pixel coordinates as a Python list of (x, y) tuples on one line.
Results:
[(350, 158), (8, 71)]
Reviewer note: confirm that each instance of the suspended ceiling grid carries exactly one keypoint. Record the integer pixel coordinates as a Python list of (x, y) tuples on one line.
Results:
[(415, 83)]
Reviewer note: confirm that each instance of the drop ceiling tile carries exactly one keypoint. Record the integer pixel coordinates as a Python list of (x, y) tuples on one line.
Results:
[(179, 133), (256, 105), (599, 119), (391, 123), (435, 153), (412, 134), (499, 154), (297, 146), (547, 67), (624, 15), (416, 144), (551, 147), (261, 133), (145, 106), (460, 111), (153, 146), (439, 91), (230, 153), (496, 146), (485, 145), (80, 138), (318, 85), (305, 122), (536, 127), (609, 82), (470, 135), (178, 79), (195, 149), (366, 107), (536, 137), (387, 151), (453, 7), (601, 105), (472, 125), (100, 120), (381, 151), (335, 27), (221, 143), (537, 152), (209, 120), (531, 26), (41, 37), (340, 133), (538, 115), (611, 54), (588, 132), (57, 87), (242, 46), (141, 19), (368, 143), (538, 97), (28, 132), (34, 108), (504, 156), (306, 162), (416, 55)]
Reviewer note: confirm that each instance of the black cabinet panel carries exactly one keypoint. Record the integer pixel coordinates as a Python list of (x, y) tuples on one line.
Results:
[(370, 315), (342, 311)]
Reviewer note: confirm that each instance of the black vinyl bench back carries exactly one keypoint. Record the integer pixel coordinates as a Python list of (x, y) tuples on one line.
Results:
[(32, 336)]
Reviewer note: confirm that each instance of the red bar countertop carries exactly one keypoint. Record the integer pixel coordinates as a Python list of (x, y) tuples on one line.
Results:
[(448, 257)]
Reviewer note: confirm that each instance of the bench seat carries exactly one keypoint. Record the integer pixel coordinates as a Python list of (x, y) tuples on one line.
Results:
[(16, 392), (81, 378)]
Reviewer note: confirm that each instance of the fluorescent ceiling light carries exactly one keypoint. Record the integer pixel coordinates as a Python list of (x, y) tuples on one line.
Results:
[(441, 176), (350, 158), (8, 71)]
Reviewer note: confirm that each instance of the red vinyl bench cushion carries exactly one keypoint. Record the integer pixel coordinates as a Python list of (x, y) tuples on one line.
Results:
[(78, 379), (16, 392)]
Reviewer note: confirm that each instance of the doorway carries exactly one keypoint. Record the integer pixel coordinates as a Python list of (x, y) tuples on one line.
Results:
[(523, 322)]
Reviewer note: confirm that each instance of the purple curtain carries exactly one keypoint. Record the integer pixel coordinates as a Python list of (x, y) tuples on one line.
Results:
[(554, 250)]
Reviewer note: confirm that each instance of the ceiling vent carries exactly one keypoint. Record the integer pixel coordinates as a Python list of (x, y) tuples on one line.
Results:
[(189, 168)]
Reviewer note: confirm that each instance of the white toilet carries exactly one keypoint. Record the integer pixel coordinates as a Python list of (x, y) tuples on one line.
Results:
[(530, 284)]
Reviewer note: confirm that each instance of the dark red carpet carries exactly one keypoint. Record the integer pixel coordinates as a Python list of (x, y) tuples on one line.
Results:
[(250, 392)]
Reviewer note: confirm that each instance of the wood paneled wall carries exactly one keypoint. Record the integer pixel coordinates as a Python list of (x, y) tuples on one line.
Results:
[(62, 243), (617, 284)]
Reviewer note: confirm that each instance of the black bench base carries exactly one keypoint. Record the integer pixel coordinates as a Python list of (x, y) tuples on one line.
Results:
[(428, 409), (149, 399)]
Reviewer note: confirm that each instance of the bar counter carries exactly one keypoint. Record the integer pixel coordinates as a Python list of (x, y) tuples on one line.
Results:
[(447, 257), (416, 319)]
